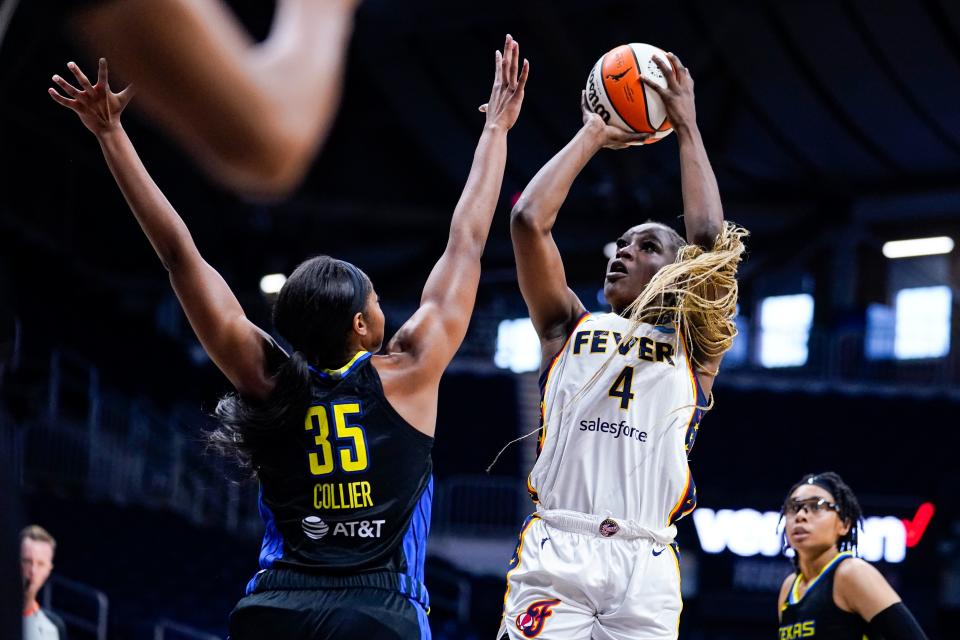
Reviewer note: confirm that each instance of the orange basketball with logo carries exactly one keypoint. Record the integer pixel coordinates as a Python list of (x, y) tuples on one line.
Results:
[(616, 93)]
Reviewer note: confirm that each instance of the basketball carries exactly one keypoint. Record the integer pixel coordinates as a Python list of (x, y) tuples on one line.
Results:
[(616, 93)]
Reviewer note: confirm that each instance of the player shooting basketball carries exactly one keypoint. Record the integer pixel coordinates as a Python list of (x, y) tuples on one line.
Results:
[(623, 393)]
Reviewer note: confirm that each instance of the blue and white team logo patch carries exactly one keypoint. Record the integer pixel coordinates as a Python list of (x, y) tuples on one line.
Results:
[(314, 527)]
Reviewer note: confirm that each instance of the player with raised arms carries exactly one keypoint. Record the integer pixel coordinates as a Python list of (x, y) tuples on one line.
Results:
[(340, 439), (622, 393), (832, 594)]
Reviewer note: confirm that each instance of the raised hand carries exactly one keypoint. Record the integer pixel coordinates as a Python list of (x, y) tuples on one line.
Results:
[(503, 108), (678, 95), (99, 108), (607, 136)]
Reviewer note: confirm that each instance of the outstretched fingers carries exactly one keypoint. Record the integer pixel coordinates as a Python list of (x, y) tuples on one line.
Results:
[(524, 72), (102, 72), (59, 99), (80, 76), (514, 64), (505, 61), (126, 95), (66, 87)]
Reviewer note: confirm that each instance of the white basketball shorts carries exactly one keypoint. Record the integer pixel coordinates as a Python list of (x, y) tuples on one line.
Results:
[(591, 583)]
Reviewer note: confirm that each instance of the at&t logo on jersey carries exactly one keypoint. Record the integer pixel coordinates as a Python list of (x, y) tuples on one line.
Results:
[(314, 527), (359, 529), (531, 622)]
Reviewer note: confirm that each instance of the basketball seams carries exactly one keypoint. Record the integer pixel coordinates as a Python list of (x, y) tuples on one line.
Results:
[(646, 103), (643, 88), (607, 91)]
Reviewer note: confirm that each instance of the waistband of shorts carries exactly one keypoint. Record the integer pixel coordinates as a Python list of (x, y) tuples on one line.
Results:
[(605, 526), (283, 579)]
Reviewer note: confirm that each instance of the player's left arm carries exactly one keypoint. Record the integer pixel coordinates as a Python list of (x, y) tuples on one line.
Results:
[(860, 588), (702, 208)]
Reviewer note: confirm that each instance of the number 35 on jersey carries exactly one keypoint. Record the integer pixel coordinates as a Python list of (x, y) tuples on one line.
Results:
[(344, 447)]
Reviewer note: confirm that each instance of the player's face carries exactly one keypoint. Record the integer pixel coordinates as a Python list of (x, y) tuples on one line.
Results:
[(375, 321), (36, 562), (641, 252), (812, 522)]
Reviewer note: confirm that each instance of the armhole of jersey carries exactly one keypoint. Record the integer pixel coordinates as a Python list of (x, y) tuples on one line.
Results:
[(389, 408), (542, 380), (699, 397)]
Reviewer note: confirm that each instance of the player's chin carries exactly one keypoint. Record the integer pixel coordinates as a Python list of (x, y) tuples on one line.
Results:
[(617, 295)]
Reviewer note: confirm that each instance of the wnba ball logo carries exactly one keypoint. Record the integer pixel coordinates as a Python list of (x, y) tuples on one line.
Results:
[(531, 622)]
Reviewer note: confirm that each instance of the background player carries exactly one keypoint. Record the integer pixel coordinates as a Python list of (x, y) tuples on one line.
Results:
[(620, 397), (832, 593), (340, 440)]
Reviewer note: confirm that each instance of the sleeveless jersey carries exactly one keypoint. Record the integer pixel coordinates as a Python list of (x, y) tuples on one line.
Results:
[(349, 490), (617, 423), (815, 614)]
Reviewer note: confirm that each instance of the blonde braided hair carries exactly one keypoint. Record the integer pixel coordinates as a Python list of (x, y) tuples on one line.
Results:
[(698, 292)]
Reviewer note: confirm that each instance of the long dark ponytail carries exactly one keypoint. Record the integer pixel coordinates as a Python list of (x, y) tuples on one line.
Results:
[(848, 508), (314, 312)]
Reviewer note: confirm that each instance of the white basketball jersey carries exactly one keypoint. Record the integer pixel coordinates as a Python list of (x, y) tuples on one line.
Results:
[(617, 445)]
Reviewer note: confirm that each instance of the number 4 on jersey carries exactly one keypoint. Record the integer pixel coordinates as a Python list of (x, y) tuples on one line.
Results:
[(621, 387)]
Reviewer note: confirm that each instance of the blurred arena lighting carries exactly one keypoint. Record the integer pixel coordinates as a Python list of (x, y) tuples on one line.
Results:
[(610, 250), (785, 329), (272, 283), (881, 332), (518, 347), (748, 532), (922, 322), (917, 247)]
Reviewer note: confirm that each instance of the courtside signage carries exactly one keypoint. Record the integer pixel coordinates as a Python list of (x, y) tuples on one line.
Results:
[(747, 532)]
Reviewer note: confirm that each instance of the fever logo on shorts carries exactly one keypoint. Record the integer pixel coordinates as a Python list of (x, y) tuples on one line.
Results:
[(532, 620), (609, 528)]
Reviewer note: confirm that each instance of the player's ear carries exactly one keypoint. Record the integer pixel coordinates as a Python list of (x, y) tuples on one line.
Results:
[(360, 326), (845, 526)]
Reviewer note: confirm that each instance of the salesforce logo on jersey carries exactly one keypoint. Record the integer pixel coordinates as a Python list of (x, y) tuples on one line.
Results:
[(315, 528), (615, 429)]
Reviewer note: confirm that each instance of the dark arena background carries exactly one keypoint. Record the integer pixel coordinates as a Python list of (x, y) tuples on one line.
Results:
[(833, 127)]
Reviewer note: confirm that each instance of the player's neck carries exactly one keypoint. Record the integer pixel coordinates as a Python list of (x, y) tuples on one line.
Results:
[(810, 567)]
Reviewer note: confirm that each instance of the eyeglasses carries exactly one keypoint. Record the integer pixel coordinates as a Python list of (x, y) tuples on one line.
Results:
[(812, 505)]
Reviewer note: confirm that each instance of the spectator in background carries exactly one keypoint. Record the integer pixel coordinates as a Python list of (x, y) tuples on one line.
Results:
[(36, 563)]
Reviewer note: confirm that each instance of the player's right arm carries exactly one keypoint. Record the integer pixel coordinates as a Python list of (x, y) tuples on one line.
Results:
[(252, 113), (553, 306), (238, 347), (427, 342)]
